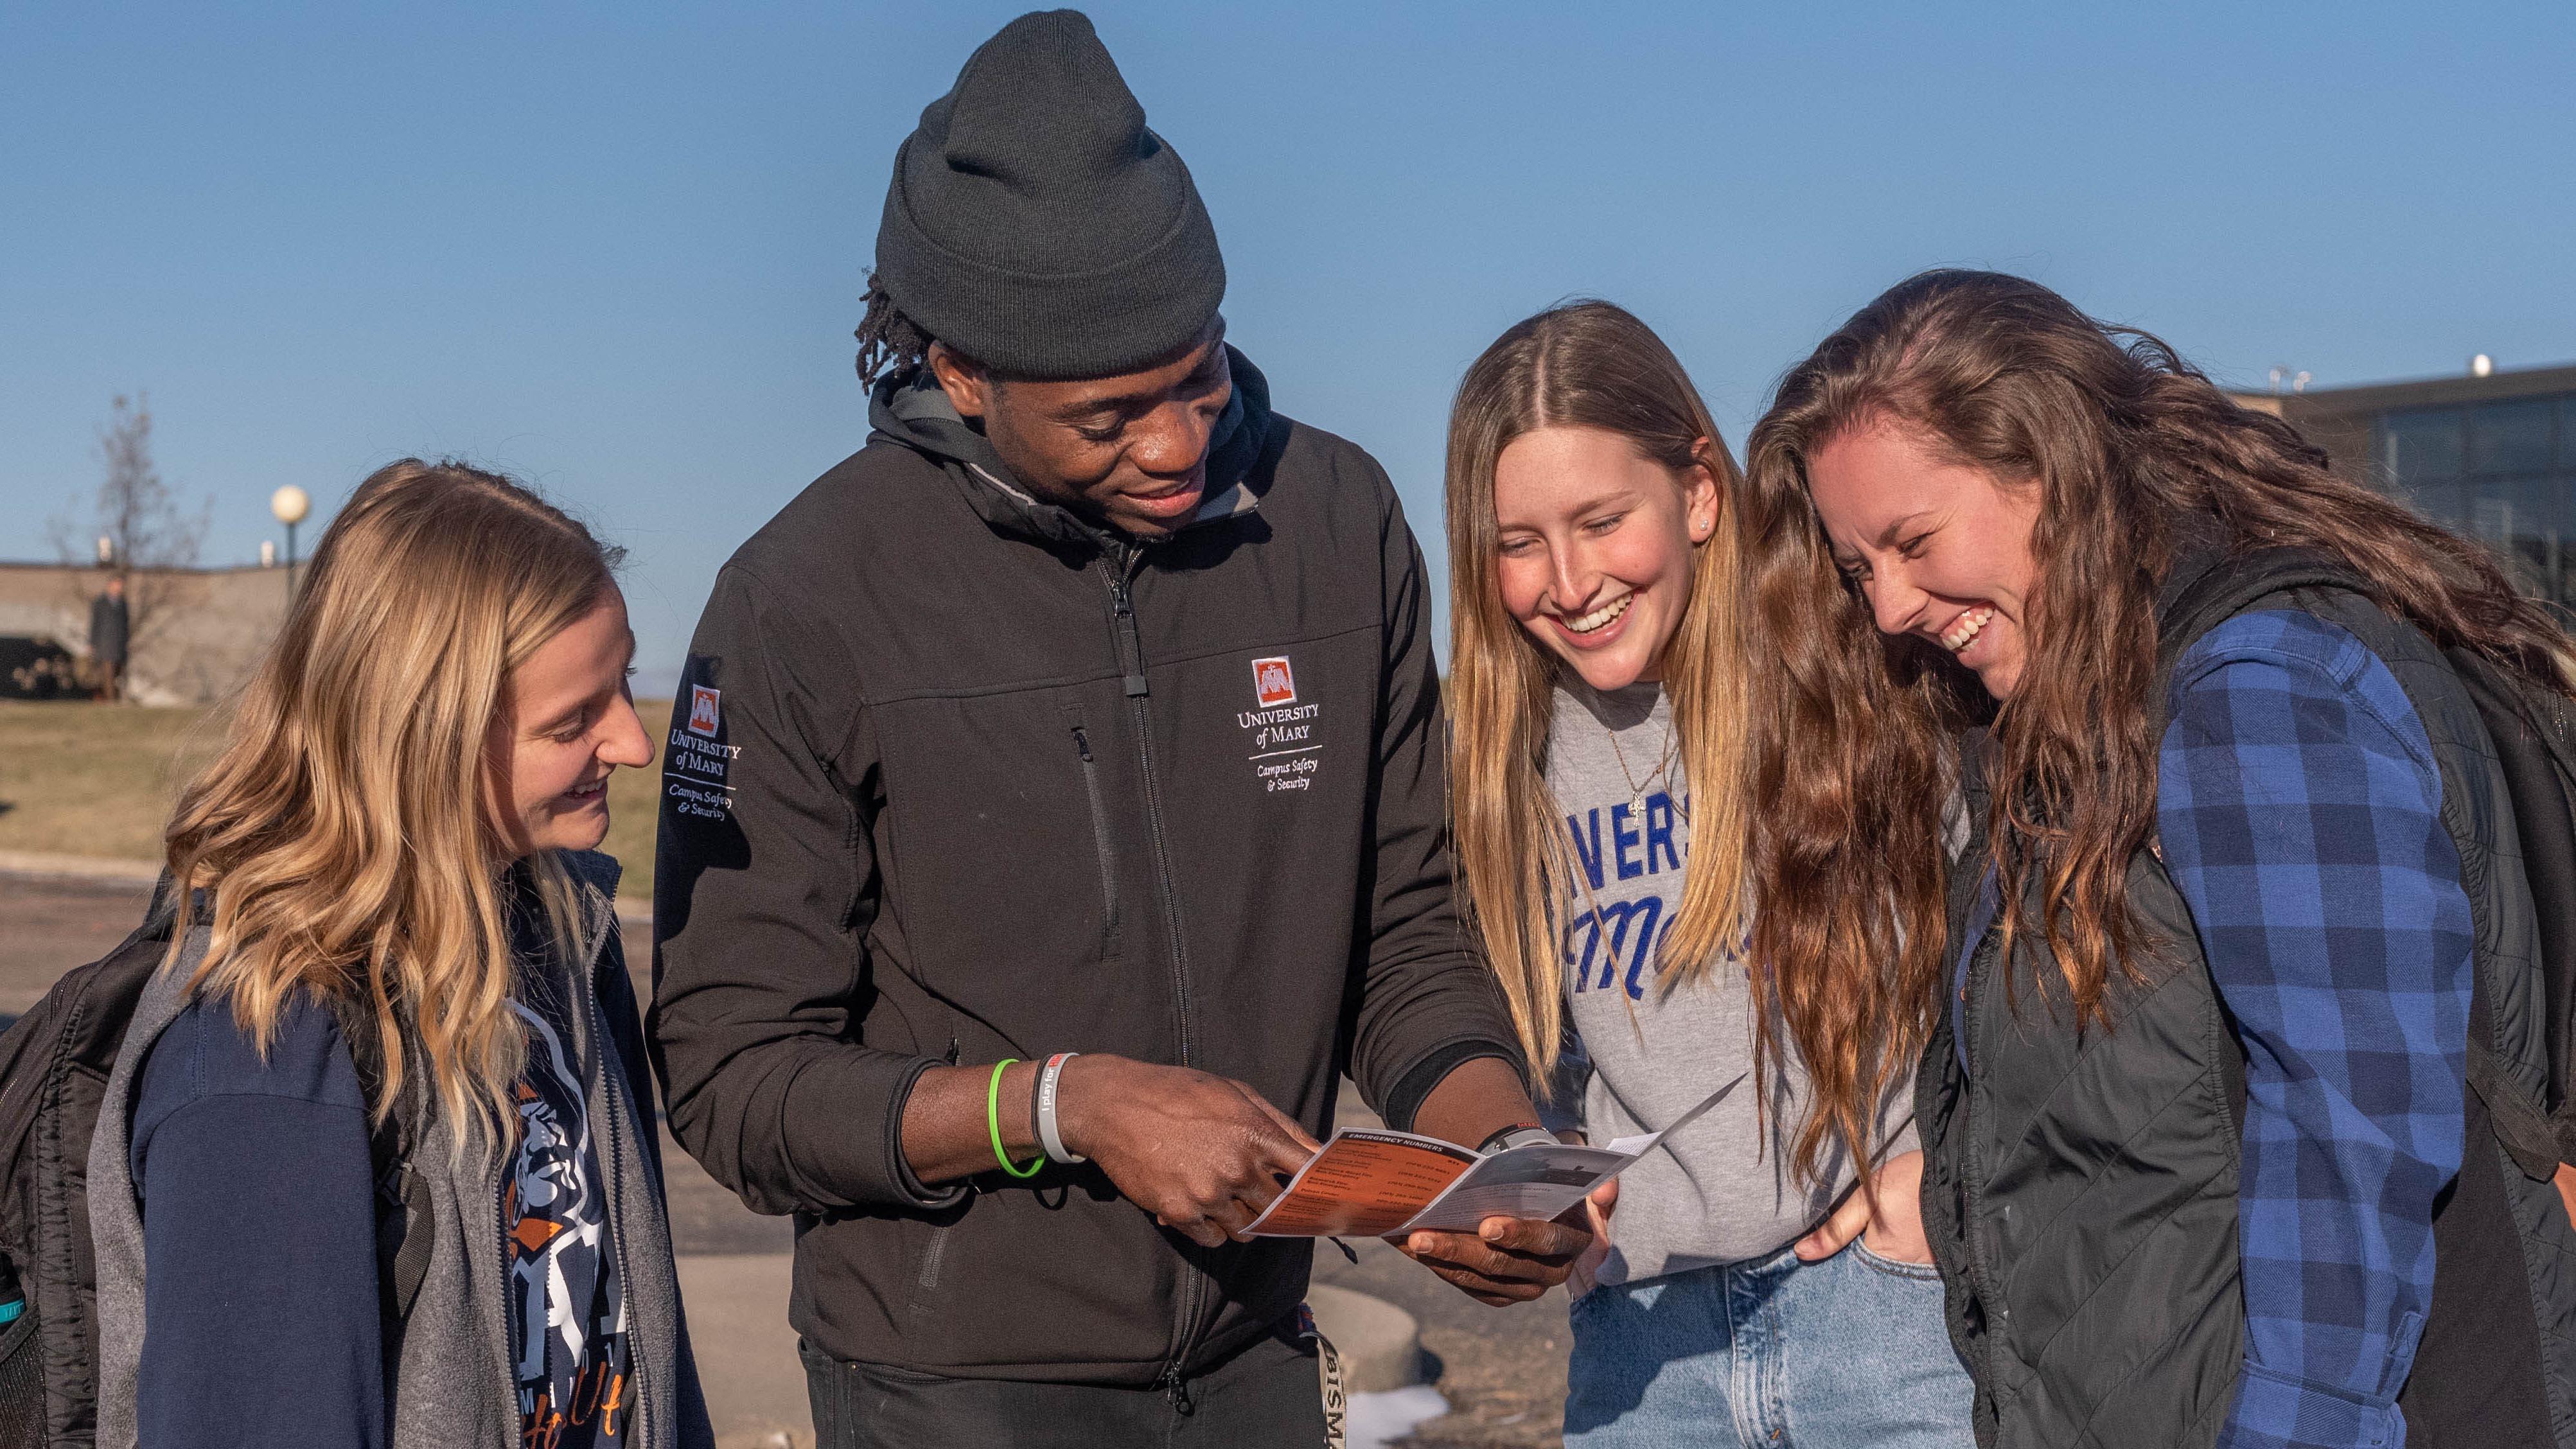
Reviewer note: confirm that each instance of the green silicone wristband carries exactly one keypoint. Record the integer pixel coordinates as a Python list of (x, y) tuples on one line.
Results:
[(993, 1124)]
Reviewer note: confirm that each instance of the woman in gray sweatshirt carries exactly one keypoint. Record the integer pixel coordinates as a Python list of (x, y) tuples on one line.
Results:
[(1598, 673)]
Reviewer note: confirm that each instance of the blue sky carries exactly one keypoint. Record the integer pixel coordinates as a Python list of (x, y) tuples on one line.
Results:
[(619, 249)]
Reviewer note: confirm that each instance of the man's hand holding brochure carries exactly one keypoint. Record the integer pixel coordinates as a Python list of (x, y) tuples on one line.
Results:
[(1377, 1183)]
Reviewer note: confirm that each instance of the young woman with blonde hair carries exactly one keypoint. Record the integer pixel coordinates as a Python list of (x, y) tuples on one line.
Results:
[(1599, 690), (391, 924)]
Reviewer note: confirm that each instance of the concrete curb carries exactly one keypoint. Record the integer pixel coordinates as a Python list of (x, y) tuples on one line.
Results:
[(1380, 1345), (104, 870)]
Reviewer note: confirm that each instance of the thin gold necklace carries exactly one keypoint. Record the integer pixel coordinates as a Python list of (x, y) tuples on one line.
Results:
[(1637, 792)]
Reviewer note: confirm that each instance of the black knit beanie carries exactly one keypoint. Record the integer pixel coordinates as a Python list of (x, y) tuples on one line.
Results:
[(1036, 225)]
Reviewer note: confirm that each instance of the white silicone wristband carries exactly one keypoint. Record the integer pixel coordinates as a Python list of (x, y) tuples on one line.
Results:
[(1048, 1136)]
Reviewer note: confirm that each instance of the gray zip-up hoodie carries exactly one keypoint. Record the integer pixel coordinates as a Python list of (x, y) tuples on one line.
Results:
[(452, 1386)]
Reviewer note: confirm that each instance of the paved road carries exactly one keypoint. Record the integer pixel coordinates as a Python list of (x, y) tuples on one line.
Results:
[(1503, 1370)]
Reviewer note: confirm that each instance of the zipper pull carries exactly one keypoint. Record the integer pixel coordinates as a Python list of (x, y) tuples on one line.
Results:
[(1082, 743), (1123, 609), (1178, 1392)]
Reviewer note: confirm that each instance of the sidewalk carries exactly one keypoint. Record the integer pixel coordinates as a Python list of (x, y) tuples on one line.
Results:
[(737, 1307)]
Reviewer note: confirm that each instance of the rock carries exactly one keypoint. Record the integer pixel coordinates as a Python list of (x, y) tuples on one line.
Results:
[(1380, 1345)]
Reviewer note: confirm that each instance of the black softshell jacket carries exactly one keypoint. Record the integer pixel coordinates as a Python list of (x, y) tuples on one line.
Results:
[(954, 776)]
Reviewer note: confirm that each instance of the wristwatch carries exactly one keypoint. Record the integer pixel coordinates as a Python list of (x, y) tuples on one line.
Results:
[(1519, 1134)]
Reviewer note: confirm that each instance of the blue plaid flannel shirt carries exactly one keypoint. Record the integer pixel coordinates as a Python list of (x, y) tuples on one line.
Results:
[(2299, 808)]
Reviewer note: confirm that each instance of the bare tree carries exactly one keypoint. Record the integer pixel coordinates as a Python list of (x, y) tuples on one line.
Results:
[(147, 534)]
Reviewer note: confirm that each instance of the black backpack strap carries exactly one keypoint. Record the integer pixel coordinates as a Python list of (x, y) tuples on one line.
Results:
[(2529, 731), (402, 1208), (54, 1067), (403, 1214), (2210, 587)]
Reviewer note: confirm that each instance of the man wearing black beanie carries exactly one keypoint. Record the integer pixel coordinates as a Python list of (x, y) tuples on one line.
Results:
[(1054, 810)]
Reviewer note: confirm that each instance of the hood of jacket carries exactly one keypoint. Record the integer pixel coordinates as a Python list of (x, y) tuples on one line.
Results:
[(911, 409)]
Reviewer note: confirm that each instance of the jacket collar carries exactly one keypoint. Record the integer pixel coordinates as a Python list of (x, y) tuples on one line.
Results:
[(912, 410), (2201, 542), (595, 875)]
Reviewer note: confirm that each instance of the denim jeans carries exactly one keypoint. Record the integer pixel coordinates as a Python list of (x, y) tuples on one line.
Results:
[(1769, 1354)]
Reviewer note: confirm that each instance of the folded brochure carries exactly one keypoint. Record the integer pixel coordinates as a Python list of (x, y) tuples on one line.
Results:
[(1375, 1183)]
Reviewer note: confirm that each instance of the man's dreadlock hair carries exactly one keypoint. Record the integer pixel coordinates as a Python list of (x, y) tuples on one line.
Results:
[(890, 343)]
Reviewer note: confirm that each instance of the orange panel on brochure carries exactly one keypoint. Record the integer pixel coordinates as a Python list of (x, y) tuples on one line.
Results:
[(1366, 1184)]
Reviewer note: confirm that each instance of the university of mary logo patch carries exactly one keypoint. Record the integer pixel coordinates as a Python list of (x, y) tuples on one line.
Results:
[(697, 770), (1285, 753), (1272, 683)]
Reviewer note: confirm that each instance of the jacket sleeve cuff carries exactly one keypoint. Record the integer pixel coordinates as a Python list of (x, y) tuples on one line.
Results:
[(913, 1188), (858, 1164), (2274, 1412), (1415, 1086)]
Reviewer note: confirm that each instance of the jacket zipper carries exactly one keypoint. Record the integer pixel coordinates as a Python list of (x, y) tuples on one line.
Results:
[(1100, 843), (1119, 566), (1131, 664), (1998, 1315), (501, 1239)]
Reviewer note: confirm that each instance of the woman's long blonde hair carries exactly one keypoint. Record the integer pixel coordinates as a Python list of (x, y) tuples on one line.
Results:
[(1582, 364), (345, 835)]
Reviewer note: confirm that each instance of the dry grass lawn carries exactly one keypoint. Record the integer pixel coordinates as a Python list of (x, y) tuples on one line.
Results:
[(99, 779)]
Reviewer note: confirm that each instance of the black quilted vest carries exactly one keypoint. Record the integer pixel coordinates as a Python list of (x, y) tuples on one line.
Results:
[(2079, 1188)]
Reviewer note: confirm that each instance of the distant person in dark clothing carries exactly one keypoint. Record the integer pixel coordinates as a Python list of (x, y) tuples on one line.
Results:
[(111, 628)]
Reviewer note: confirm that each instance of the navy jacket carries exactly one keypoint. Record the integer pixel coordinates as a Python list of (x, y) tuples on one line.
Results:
[(259, 1225)]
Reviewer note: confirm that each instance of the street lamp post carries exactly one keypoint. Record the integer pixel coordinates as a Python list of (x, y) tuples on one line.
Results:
[(290, 504)]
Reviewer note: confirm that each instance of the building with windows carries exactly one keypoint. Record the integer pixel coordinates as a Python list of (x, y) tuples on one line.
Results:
[(2492, 455)]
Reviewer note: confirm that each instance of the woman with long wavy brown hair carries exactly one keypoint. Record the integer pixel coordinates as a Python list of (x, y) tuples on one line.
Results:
[(2196, 1009), (1598, 691), (377, 1163)]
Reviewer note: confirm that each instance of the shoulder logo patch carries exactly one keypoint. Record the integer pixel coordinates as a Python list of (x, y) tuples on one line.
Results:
[(702, 710), (1272, 682)]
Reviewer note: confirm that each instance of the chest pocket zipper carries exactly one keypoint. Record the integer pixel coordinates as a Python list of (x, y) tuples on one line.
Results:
[(1108, 859)]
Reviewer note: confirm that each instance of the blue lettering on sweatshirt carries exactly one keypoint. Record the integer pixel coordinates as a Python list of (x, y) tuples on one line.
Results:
[(1604, 933), (1659, 832), (1591, 858), (1665, 844), (1622, 934)]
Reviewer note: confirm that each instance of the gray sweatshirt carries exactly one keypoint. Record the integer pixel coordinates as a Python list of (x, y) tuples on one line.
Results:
[(1717, 1191)]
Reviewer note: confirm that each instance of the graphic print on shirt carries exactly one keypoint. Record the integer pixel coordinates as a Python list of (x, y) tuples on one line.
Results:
[(698, 766), (1285, 754), (1613, 942), (567, 1309)]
